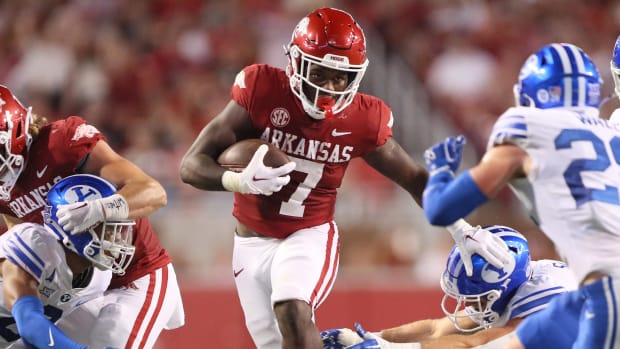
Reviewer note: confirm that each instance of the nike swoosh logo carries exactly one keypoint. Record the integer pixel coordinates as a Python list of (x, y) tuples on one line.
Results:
[(256, 179), (336, 133), (51, 277), (78, 207), (80, 303), (236, 273), (51, 343), (41, 172)]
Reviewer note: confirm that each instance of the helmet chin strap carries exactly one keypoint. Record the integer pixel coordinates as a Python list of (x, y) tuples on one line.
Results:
[(326, 103)]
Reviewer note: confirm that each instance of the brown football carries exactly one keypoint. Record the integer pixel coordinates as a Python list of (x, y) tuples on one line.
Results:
[(237, 156)]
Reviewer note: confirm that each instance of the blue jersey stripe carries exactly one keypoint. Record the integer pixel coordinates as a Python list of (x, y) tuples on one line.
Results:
[(25, 246), (511, 122), (509, 126), (498, 138), (529, 306), (18, 257), (21, 266), (558, 289), (534, 303)]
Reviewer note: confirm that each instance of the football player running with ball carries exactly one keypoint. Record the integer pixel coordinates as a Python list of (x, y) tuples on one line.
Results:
[(286, 245)]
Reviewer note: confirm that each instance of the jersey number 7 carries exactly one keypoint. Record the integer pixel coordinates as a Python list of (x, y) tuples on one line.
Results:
[(294, 206)]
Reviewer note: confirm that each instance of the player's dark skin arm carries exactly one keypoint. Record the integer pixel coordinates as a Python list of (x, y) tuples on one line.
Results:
[(199, 167), (392, 161)]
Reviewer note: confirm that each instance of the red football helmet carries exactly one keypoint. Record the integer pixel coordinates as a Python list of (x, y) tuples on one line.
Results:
[(15, 140), (330, 38)]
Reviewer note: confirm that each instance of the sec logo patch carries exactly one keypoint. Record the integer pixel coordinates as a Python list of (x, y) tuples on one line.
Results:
[(280, 117)]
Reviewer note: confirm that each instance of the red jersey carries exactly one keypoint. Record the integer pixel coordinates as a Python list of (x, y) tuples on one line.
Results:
[(57, 152), (322, 150)]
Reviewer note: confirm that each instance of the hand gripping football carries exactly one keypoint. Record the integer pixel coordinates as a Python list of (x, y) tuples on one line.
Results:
[(238, 155)]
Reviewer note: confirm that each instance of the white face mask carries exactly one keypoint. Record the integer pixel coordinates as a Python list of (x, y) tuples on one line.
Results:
[(476, 308), (318, 106), (11, 166), (113, 240)]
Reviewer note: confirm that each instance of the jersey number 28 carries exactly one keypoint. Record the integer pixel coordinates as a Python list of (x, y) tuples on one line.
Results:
[(572, 175)]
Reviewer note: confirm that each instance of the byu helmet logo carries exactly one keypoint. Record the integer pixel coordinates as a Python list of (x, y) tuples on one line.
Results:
[(80, 193), (494, 275)]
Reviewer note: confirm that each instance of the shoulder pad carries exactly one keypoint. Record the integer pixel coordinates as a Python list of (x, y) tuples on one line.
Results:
[(511, 127), (29, 246)]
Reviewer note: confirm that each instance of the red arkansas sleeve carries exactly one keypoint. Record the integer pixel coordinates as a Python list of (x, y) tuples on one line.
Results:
[(244, 85), (386, 120), (72, 139)]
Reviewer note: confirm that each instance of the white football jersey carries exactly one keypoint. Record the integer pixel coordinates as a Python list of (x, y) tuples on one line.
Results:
[(549, 278), (615, 117), (572, 188), (37, 251)]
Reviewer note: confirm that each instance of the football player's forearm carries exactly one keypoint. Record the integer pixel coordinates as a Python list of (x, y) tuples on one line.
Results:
[(202, 172), (411, 332), (447, 199), (143, 198), (508, 340), (462, 341), (141, 192), (34, 327), (452, 342)]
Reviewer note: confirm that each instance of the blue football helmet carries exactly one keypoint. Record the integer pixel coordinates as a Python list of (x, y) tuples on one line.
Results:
[(558, 76), (107, 245), (486, 293), (615, 67)]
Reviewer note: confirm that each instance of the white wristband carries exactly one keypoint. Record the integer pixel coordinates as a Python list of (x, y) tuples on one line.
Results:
[(458, 227), (115, 207), (231, 181)]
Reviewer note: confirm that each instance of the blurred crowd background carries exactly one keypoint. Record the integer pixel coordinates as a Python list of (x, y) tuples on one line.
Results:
[(151, 74)]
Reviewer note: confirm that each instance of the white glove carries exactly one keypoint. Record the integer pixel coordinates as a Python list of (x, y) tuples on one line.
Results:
[(348, 337), (339, 338), (257, 178), (471, 240), (81, 216)]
